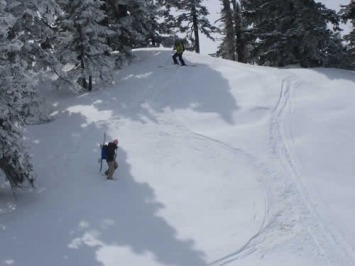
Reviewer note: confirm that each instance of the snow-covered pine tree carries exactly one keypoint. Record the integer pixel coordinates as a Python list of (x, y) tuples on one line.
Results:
[(191, 19), (14, 160), (145, 24), (347, 13), (290, 31), (45, 33), (29, 28), (320, 43), (82, 45), (119, 21), (133, 23)]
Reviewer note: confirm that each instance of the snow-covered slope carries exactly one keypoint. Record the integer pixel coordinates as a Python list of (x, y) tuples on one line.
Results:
[(219, 164)]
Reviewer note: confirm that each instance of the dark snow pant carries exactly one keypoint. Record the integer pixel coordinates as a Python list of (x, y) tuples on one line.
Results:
[(180, 59)]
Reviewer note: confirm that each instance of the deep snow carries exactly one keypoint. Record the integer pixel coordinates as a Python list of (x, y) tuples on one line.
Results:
[(219, 164)]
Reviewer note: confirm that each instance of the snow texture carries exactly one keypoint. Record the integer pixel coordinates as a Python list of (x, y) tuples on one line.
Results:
[(219, 164)]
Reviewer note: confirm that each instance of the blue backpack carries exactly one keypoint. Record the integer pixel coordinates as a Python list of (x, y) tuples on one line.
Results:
[(104, 152)]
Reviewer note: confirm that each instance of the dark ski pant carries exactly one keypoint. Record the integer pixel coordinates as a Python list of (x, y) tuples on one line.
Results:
[(180, 59), (112, 166)]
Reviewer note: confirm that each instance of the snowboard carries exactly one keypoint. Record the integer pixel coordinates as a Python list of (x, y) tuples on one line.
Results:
[(103, 143), (193, 65), (176, 66)]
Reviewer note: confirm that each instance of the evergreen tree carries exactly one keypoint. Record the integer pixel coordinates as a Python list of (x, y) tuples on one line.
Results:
[(133, 23), (145, 23), (28, 28), (348, 14), (120, 21), (14, 82), (191, 19), (290, 32), (82, 45)]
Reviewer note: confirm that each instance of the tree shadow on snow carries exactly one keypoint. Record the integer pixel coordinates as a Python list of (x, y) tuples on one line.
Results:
[(132, 225), (78, 217), (143, 89), (124, 224)]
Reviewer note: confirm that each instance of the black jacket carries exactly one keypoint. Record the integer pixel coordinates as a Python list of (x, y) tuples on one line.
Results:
[(111, 151)]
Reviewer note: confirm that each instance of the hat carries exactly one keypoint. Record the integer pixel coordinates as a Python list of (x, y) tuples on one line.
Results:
[(115, 141)]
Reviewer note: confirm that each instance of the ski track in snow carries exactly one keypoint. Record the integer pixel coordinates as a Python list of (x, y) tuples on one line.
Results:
[(333, 249), (288, 212), (249, 246), (289, 215), (168, 118)]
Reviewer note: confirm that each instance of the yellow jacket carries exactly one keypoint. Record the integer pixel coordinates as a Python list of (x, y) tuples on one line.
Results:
[(179, 47)]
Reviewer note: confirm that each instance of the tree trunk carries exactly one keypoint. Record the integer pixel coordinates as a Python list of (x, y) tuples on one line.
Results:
[(90, 83), (195, 29), (82, 80), (240, 40), (230, 34)]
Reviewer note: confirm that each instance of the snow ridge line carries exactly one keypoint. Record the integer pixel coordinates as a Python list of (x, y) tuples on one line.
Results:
[(322, 235)]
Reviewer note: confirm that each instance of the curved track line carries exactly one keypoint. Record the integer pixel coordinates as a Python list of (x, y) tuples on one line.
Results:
[(332, 249), (287, 206), (264, 178)]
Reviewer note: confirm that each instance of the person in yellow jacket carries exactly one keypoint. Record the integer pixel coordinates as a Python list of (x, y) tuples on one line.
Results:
[(179, 48)]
